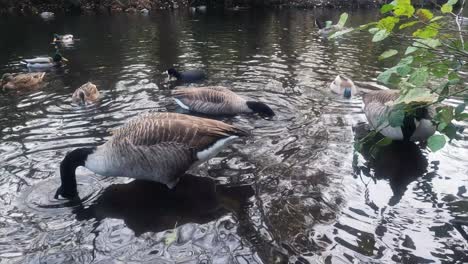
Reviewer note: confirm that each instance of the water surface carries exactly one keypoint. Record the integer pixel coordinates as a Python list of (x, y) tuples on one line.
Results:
[(289, 193)]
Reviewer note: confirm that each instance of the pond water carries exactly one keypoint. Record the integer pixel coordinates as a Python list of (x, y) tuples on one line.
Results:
[(288, 194)]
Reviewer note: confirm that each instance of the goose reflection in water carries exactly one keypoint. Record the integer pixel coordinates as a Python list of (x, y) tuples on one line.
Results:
[(149, 206), (400, 162)]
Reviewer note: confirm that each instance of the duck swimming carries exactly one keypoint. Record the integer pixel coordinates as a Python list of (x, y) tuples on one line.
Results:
[(86, 94), (66, 39), (187, 76), (158, 147), (45, 62), (21, 80), (218, 100), (416, 126), (343, 86)]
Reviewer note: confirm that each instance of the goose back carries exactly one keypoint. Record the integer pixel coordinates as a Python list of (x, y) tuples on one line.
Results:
[(214, 100)]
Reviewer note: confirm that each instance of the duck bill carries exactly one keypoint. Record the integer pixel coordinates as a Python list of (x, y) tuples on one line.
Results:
[(347, 93)]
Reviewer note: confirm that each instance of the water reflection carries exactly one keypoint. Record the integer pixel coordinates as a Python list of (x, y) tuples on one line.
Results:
[(307, 206), (400, 163), (148, 206)]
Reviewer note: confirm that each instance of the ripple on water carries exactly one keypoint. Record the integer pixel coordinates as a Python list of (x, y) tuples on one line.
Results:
[(41, 196)]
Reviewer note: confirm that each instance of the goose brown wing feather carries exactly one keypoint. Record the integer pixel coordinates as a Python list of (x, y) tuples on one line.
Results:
[(212, 94), (193, 132), (380, 97)]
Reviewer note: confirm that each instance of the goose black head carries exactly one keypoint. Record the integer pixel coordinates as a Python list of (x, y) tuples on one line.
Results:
[(58, 58), (173, 73), (74, 159), (261, 108)]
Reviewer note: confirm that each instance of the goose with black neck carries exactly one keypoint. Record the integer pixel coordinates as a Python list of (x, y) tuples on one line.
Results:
[(158, 147)]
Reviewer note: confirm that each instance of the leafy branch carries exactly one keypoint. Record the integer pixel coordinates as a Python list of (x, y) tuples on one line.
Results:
[(428, 70)]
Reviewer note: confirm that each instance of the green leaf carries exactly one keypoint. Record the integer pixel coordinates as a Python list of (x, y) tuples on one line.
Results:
[(403, 70), (417, 96), (424, 14), (328, 23), (386, 8), (408, 24), (441, 126), (446, 8), (387, 54), (419, 76), (340, 33), (396, 117), (380, 35), (452, 2), (460, 108), (425, 43), (384, 76), (453, 76), (439, 70), (427, 32), (410, 50), (406, 60), (404, 8), (343, 19), (373, 30), (461, 117), (450, 131), (384, 142), (388, 23), (445, 115), (436, 142)]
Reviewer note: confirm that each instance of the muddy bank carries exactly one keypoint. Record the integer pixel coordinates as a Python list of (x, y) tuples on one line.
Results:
[(131, 6), (85, 6)]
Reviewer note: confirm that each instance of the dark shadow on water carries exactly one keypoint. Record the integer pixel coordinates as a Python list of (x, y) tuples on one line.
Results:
[(400, 163), (149, 206)]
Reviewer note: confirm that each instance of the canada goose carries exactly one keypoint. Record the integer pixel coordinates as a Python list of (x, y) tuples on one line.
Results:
[(187, 76), (416, 127), (44, 62), (87, 93), (22, 80), (343, 86), (217, 100), (155, 146), (66, 39)]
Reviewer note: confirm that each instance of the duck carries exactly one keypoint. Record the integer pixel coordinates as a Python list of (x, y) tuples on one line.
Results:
[(66, 39), (21, 81), (217, 100), (187, 76), (45, 62), (47, 15), (158, 146), (343, 86), (85, 94), (328, 28), (417, 127)]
